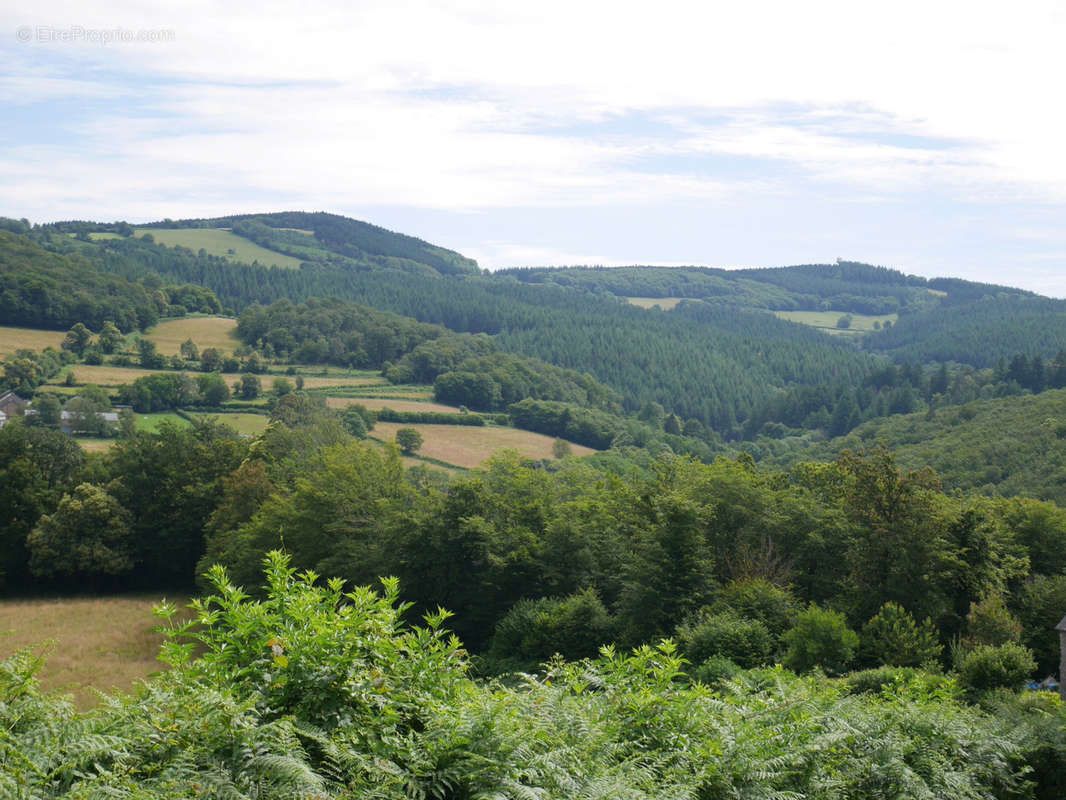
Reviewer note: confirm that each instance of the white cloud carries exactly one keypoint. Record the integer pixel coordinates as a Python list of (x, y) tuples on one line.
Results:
[(468, 105)]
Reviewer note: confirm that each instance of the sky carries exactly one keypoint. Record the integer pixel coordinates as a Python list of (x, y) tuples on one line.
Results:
[(924, 136)]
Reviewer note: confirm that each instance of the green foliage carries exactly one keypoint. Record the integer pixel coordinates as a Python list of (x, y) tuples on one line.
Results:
[(250, 387), (43, 289), (757, 598), (995, 666), (213, 389), (314, 691), (1040, 605), (534, 630), (745, 642), (332, 332), (38, 465), (409, 440), (87, 536), (820, 638), (561, 448), (327, 657), (354, 419), (893, 638), (990, 623)]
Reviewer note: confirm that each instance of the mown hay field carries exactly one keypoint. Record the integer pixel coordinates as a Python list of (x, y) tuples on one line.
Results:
[(102, 643), (218, 242), (217, 332), (469, 446), (665, 303), (103, 374), (12, 339)]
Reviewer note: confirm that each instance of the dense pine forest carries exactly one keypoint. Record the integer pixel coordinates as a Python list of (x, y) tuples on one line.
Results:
[(819, 552)]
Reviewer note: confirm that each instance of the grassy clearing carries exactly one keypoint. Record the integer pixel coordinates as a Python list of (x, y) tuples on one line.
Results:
[(101, 643), (95, 445), (12, 339), (468, 446), (390, 402), (151, 422), (827, 320), (217, 332), (247, 424), (100, 236), (665, 303), (218, 242)]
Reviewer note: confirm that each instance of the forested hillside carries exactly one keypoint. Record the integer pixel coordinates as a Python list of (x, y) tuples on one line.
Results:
[(1014, 446), (801, 564)]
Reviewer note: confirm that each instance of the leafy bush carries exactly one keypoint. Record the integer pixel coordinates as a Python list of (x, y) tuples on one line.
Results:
[(715, 670), (820, 638), (534, 630), (758, 598), (893, 638), (746, 642), (993, 666)]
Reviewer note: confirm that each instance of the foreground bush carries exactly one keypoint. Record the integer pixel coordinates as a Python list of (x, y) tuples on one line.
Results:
[(314, 692)]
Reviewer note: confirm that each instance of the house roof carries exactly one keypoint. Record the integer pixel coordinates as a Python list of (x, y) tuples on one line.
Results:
[(1062, 625), (7, 398)]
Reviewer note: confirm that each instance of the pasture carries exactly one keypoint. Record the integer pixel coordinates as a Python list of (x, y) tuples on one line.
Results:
[(664, 303), (151, 422), (827, 320), (12, 339), (101, 643), (246, 424), (219, 242), (217, 332), (468, 446)]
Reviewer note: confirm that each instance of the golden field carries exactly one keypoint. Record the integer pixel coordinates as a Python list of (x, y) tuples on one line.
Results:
[(217, 332), (469, 446), (102, 643), (12, 339), (390, 402)]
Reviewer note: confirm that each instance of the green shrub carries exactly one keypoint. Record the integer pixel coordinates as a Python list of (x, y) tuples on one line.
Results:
[(715, 669), (535, 630), (758, 598), (746, 642), (820, 638), (893, 638), (993, 666)]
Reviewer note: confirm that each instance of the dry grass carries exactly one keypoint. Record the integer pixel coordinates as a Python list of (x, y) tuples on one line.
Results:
[(102, 643), (469, 446), (390, 402), (12, 339), (311, 382), (217, 332), (96, 445), (104, 375), (665, 303)]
